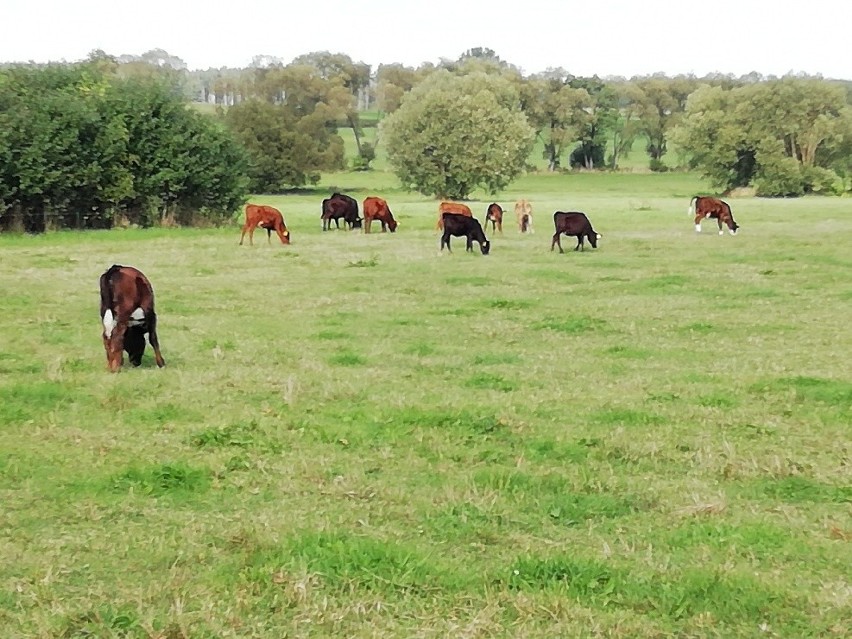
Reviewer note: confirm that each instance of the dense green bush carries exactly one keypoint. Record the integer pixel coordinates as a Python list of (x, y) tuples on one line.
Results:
[(83, 148)]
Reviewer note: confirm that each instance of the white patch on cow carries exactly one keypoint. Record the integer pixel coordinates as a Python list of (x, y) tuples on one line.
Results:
[(599, 235), (698, 228), (137, 317), (732, 232), (109, 323)]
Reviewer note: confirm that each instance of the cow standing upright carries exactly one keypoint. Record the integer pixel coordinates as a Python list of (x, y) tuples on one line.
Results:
[(375, 208), (127, 313), (494, 214), (523, 213), (340, 206), (266, 217), (451, 207), (575, 224), (463, 225), (703, 207)]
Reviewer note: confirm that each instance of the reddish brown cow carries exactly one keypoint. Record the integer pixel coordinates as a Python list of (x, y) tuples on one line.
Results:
[(451, 207), (266, 217), (710, 207), (375, 208), (494, 214), (127, 313)]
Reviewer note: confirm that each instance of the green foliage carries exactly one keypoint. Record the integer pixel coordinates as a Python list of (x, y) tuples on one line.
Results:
[(286, 150), (81, 147), (786, 137), (365, 157), (453, 134)]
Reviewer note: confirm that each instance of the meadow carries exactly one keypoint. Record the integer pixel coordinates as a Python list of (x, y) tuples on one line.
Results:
[(356, 436)]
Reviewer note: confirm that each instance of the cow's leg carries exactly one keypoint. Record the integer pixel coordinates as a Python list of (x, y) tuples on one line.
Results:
[(384, 227), (469, 246), (269, 236), (579, 246), (152, 337), (445, 240), (243, 234), (556, 241), (368, 223), (500, 226), (251, 235)]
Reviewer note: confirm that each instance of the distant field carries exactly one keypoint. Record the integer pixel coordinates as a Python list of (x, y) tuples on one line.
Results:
[(355, 436)]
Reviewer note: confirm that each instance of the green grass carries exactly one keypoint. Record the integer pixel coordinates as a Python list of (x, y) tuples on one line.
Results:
[(357, 436)]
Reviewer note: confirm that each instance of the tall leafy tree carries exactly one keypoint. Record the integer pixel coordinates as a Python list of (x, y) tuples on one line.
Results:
[(454, 134)]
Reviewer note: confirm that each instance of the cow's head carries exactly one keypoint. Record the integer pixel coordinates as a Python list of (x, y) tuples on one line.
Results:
[(392, 224), (134, 344), (485, 247), (285, 235), (593, 239)]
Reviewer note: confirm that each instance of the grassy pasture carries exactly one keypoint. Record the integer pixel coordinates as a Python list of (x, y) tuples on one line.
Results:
[(356, 436)]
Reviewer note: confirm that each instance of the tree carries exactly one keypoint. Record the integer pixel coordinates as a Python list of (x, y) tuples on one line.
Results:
[(786, 137), (453, 134), (557, 111), (285, 150), (659, 102)]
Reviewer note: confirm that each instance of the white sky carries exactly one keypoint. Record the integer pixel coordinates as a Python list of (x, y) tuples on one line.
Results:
[(606, 37)]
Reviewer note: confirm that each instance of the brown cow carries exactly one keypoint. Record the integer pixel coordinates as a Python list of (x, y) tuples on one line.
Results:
[(375, 208), (523, 213), (451, 207), (340, 206), (494, 214), (710, 207), (266, 217), (127, 313)]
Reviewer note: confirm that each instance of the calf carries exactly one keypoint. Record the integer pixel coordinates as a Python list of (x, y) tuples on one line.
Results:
[(127, 313), (266, 217), (494, 214), (340, 206), (575, 224), (451, 207), (703, 207), (375, 208), (523, 213), (458, 225)]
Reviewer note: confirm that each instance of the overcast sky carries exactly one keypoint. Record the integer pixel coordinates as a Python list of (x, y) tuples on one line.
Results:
[(603, 37)]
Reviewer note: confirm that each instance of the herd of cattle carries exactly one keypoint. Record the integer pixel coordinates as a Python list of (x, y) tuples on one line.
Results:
[(127, 298)]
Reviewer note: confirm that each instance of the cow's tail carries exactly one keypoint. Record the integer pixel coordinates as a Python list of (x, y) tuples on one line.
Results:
[(691, 209)]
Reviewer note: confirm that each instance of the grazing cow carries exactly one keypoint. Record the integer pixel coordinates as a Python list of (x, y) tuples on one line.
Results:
[(711, 207), (127, 313), (575, 224), (523, 213), (340, 206), (375, 208), (494, 214), (451, 207), (458, 225), (266, 217)]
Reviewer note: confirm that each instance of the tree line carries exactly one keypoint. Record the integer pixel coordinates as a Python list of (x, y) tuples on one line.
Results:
[(111, 140)]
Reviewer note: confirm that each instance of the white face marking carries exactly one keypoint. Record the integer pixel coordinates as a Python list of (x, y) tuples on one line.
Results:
[(109, 323)]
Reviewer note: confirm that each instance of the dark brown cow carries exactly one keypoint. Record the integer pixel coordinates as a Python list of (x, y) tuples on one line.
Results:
[(494, 214), (702, 207), (266, 217), (375, 208), (575, 224), (127, 313), (340, 206), (451, 207), (463, 225)]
